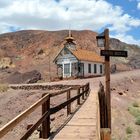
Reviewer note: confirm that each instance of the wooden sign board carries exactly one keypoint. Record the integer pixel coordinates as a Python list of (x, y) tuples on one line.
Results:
[(115, 53)]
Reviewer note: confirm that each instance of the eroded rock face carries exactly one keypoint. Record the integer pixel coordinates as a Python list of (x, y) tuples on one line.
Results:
[(41, 48), (27, 77), (135, 62), (5, 62), (32, 77)]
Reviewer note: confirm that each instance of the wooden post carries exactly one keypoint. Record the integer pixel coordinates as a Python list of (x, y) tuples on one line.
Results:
[(87, 89), (105, 134), (103, 107), (69, 105), (83, 89), (107, 78), (46, 123), (78, 100)]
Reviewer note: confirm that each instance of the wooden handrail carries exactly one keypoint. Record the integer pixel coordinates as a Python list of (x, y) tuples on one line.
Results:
[(35, 126), (66, 90), (6, 128), (59, 107), (46, 111)]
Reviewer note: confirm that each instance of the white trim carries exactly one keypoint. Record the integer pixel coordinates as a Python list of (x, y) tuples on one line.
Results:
[(63, 69), (70, 69)]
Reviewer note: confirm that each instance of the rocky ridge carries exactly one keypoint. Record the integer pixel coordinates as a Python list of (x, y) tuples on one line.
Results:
[(29, 50)]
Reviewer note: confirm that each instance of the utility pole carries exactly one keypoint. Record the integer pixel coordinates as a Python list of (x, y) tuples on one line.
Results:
[(103, 41), (107, 78)]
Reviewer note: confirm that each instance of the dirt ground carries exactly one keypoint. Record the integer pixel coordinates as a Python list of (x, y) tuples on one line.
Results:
[(13, 102), (125, 90)]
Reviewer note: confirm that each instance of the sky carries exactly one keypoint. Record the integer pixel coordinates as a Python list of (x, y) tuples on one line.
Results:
[(122, 17)]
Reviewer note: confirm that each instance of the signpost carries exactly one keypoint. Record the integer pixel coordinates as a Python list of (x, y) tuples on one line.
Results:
[(103, 39), (114, 53)]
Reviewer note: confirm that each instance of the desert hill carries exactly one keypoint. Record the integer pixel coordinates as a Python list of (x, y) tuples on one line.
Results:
[(133, 60), (29, 50)]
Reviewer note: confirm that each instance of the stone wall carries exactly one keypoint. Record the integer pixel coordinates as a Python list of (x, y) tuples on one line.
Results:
[(39, 87)]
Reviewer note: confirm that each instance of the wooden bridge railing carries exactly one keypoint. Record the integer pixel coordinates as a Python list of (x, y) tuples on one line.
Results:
[(105, 132), (46, 111)]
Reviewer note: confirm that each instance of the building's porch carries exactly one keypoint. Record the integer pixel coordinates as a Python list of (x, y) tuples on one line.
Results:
[(66, 70)]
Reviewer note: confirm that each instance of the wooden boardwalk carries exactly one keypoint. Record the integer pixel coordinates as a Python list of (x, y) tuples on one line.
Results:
[(84, 124)]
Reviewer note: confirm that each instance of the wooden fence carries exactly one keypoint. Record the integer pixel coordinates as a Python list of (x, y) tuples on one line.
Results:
[(82, 91), (105, 132)]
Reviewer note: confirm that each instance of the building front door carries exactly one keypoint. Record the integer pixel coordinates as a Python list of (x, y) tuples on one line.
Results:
[(67, 70)]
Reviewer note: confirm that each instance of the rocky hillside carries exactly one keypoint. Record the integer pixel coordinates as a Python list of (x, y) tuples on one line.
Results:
[(133, 60), (29, 50)]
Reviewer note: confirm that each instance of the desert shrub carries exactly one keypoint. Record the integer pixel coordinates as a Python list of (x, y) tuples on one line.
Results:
[(113, 139), (135, 104), (125, 138), (129, 130), (135, 111), (3, 87), (128, 137), (137, 120)]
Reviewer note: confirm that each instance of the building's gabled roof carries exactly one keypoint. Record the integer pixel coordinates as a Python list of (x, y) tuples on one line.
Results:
[(85, 55), (61, 48), (80, 54)]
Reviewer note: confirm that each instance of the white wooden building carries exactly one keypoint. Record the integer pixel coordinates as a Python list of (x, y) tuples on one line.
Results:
[(74, 62)]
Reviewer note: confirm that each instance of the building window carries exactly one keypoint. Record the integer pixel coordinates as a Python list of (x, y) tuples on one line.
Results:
[(89, 68), (95, 68), (66, 68), (81, 68), (101, 69)]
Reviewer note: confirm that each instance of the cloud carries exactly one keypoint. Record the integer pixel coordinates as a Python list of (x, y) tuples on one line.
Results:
[(60, 14), (4, 27), (5, 3), (127, 38), (138, 6)]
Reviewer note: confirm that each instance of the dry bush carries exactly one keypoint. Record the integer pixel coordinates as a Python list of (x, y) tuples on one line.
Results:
[(135, 104), (135, 111), (3, 87), (137, 120), (129, 130)]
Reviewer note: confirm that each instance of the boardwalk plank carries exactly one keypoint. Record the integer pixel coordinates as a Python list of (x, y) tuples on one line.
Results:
[(83, 125)]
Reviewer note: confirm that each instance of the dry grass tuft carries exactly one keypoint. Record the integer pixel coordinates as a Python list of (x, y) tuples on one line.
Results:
[(129, 130), (135, 104), (3, 87), (137, 120), (135, 111)]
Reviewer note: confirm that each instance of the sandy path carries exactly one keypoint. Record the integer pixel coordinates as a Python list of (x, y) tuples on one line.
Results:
[(13, 102)]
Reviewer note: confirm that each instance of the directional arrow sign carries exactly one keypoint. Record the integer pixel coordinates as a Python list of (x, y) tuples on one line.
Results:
[(114, 53)]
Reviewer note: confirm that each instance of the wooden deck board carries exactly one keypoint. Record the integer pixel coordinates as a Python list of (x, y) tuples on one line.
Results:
[(83, 125)]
